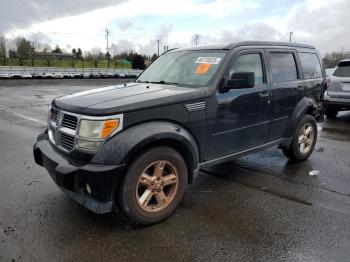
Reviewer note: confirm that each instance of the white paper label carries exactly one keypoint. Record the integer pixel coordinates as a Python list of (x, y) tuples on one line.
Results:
[(208, 60)]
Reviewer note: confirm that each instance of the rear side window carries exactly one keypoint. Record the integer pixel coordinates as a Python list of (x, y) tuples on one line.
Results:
[(311, 65), (249, 63), (283, 67), (343, 69)]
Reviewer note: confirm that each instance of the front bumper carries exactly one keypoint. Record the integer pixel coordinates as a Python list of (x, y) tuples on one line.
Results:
[(73, 178)]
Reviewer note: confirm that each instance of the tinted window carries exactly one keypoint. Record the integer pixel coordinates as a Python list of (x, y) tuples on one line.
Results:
[(249, 63), (311, 65), (283, 67), (343, 69)]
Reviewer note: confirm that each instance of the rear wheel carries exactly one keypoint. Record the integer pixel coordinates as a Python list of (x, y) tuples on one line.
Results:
[(153, 185), (331, 113), (304, 140)]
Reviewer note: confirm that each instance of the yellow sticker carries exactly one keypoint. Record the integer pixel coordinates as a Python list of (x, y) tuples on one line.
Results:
[(202, 69)]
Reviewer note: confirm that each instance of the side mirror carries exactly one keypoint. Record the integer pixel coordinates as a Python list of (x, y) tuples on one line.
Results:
[(240, 80)]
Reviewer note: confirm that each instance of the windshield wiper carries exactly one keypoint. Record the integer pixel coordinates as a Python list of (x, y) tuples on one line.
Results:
[(164, 82)]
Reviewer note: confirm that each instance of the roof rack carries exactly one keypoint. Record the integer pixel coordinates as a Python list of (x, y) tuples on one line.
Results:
[(266, 43)]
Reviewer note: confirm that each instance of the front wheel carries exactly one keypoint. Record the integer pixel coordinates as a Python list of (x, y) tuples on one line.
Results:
[(153, 185), (304, 140)]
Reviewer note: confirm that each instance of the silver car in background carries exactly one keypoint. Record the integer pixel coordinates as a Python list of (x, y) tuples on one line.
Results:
[(337, 96)]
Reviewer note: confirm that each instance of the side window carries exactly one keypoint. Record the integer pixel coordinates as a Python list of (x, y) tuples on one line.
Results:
[(283, 67), (311, 65), (249, 63)]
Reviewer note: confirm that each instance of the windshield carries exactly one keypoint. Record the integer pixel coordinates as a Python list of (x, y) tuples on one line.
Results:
[(343, 69), (185, 68)]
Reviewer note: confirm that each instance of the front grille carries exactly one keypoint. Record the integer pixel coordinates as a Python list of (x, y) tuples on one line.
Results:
[(67, 141), (70, 121), (63, 128), (53, 131), (54, 115)]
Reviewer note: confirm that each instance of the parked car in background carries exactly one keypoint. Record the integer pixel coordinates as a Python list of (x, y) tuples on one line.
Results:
[(66, 75), (27, 76), (48, 75), (4, 76), (110, 75), (96, 75), (57, 75), (86, 75), (138, 145), (16, 76), (337, 96)]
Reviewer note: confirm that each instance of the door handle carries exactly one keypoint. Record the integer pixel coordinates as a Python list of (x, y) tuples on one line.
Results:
[(300, 88), (264, 93)]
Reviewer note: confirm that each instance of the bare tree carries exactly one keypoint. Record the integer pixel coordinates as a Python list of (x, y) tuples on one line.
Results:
[(3, 51), (96, 55), (47, 55), (332, 59), (23, 50), (195, 39)]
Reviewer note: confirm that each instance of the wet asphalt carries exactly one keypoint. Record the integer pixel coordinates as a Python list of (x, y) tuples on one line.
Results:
[(258, 208)]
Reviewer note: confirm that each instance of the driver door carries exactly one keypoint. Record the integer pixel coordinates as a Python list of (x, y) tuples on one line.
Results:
[(239, 118)]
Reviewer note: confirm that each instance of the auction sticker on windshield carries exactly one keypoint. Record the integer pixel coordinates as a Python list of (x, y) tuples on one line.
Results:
[(208, 60), (202, 69)]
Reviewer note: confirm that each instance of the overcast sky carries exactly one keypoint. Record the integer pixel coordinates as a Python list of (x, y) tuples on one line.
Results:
[(137, 24)]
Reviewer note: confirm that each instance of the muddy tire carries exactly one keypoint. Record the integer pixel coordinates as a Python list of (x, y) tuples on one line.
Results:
[(153, 185), (304, 140)]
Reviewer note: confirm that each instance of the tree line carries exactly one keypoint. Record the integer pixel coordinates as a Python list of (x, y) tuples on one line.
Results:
[(25, 51)]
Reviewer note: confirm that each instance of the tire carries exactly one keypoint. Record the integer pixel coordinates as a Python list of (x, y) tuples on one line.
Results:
[(297, 152), (331, 113), (151, 198)]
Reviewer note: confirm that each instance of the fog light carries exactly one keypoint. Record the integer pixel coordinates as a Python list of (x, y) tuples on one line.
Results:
[(87, 144), (88, 189)]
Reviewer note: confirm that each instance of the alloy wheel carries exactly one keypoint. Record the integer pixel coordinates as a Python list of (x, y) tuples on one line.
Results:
[(306, 138), (157, 186)]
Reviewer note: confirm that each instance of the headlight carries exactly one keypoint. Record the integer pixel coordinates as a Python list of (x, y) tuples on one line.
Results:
[(91, 133)]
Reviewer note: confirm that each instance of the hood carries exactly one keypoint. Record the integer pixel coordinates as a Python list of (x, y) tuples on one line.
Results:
[(123, 98)]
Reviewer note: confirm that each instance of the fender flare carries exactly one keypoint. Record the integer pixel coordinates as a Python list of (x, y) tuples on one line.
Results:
[(305, 105), (125, 145)]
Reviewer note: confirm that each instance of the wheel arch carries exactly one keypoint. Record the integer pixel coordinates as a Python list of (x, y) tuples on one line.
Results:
[(123, 147), (305, 106)]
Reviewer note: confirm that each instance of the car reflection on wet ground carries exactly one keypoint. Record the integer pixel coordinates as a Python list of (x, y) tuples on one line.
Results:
[(260, 207)]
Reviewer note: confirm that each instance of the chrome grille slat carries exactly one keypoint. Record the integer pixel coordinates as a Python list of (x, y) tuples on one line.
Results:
[(70, 121), (67, 141), (54, 114)]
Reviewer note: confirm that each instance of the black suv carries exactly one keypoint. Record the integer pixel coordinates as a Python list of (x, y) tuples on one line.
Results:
[(138, 145)]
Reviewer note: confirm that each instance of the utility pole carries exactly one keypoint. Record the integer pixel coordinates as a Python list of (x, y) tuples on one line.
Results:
[(341, 53), (106, 36), (166, 48), (196, 39), (290, 37), (158, 41)]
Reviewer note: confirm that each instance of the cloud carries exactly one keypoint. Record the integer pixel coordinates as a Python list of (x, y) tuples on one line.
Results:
[(122, 46), (22, 14), (125, 25), (164, 31), (136, 24), (326, 26)]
